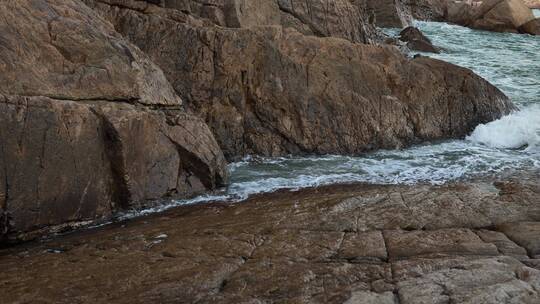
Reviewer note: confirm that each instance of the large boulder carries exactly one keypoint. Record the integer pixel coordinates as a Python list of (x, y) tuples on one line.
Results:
[(532, 27), (272, 91), (89, 126), (502, 15)]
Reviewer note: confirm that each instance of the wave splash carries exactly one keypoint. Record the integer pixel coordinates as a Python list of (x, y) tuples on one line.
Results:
[(516, 131)]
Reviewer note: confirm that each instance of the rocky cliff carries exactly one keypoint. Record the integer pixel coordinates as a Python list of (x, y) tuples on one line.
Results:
[(89, 126)]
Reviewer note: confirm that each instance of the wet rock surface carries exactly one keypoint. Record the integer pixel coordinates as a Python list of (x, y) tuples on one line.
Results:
[(471, 242)]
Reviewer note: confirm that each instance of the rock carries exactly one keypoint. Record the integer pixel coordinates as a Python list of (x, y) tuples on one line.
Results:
[(422, 46), (230, 13), (390, 13), (533, 263), (431, 10), (525, 234), (533, 4), (89, 61), (532, 27), (368, 297), (89, 125), (503, 243), (69, 161), (505, 16), (459, 12), (278, 96), (466, 280), (445, 241), (335, 244), (491, 15), (346, 19), (416, 40), (363, 246)]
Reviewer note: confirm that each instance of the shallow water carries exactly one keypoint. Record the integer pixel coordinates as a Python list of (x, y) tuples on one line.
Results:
[(510, 61)]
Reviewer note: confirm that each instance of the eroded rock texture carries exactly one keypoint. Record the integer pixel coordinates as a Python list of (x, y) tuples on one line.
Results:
[(273, 91), (514, 16), (347, 19), (501, 15), (460, 243), (390, 13), (433, 10), (88, 124)]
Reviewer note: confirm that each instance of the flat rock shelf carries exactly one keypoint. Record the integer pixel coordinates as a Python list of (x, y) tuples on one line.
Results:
[(464, 242)]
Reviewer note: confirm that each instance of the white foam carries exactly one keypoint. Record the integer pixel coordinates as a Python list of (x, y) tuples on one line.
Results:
[(518, 130)]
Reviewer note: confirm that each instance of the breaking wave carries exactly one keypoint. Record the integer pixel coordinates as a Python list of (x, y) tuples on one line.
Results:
[(515, 131)]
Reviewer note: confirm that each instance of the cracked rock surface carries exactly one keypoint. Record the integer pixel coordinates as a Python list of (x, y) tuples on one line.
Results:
[(470, 242)]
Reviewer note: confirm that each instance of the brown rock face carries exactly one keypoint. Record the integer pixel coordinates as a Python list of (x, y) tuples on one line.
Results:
[(88, 124), (227, 13), (60, 51), (390, 13), (271, 92), (532, 27), (434, 10), (460, 13), (346, 19), (491, 15), (502, 15), (526, 234), (416, 40), (532, 3)]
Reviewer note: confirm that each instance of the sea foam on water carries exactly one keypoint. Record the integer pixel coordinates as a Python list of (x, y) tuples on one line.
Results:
[(518, 130)]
